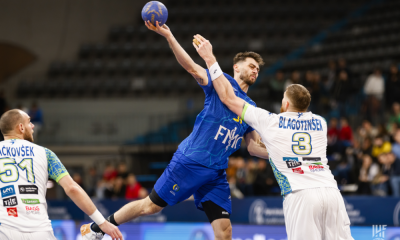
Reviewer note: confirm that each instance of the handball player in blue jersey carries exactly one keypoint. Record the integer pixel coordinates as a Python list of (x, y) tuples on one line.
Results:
[(198, 166)]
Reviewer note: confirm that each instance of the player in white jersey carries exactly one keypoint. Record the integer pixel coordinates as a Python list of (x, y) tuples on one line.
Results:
[(24, 171), (296, 141)]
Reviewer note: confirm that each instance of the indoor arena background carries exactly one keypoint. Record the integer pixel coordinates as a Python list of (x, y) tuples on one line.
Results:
[(109, 98)]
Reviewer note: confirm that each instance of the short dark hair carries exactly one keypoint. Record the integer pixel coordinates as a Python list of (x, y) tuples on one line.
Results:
[(9, 120), (240, 57), (299, 96)]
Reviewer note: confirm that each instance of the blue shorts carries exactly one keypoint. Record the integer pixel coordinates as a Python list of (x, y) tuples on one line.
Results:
[(184, 177)]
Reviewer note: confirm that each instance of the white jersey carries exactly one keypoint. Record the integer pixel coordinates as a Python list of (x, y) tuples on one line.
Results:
[(24, 171), (296, 143)]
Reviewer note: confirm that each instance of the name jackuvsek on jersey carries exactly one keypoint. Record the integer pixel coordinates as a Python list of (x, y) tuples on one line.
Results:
[(303, 125), (21, 151)]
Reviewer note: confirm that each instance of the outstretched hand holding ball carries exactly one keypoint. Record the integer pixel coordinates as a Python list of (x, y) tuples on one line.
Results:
[(155, 11), (162, 30)]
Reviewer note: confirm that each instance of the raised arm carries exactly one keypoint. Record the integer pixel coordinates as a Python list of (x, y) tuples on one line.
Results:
[(221, 84), (181, 55)]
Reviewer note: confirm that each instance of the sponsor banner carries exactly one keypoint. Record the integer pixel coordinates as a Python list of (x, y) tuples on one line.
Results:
[(316, 168), (293, 164), (30, 201), (315, 159), (9, 202), (12, 212), (251, 210), (7, 191), (32, 210), (28, 189), (298, 170)]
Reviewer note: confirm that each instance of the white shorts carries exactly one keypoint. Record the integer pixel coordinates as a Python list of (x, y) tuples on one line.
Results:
[(316, 214), (11, 234)]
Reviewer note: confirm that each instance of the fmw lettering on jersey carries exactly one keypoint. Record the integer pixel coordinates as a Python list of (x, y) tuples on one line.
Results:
[(229, 136), (17, 151), (303, 125)]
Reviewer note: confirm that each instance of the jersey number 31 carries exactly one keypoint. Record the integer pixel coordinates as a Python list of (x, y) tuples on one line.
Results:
[(303, 143)]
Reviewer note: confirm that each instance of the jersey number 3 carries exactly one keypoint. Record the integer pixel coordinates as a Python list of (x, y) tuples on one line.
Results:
[(303, 143), (9, 171)]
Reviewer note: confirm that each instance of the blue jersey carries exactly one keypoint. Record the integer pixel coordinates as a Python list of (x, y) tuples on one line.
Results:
[(217, 131)]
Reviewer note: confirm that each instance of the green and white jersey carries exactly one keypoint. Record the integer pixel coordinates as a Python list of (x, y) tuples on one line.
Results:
[(296, 143), (24, 171)]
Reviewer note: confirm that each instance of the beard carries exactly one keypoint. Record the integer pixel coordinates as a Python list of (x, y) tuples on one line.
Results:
[(246, 78), (28, 136)]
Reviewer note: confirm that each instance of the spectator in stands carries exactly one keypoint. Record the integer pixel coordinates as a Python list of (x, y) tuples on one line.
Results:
[(251, 168), (232, 167), (380, 146), (235, 192), (78, 179), (396, 145), (380, 184), (242, 177), (20, 106), (312, 83), (117, 190), (368, 171), (109, 172), (333, 135), (122, 171), (366, 147), (260, 182), (36, 118), (331, 76), (93, 180), (3, 106), (342, 66), (394, 174), (294, 79), (392, 87), (395, 115), (276, 86), (346, 133), (133, 188), (333, 132), (367, 131), (341, 91), (374, 88)]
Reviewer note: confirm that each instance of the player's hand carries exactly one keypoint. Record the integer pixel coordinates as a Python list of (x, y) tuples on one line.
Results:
[(204, 48), (111, 230), (163, 30)]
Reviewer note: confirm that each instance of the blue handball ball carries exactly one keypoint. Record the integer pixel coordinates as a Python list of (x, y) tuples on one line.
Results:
[(155, 11)]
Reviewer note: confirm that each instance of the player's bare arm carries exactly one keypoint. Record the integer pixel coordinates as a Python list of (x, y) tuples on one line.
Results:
[(181, 55), (83, 201), (221, 84), (255, 146)]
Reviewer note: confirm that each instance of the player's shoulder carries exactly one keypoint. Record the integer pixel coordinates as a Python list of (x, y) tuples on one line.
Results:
[(318, 116)]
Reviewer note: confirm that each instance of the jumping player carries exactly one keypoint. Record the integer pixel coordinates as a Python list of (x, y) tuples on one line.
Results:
[(197, 167), (24, 171), (296, 141)]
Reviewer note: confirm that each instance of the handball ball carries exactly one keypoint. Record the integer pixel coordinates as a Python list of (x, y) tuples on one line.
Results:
[(155, 11)]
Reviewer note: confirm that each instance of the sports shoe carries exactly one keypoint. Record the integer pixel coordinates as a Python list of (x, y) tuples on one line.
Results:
[(88, 234)]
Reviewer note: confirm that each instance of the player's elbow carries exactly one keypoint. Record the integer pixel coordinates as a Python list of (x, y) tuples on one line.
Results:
[(226, 100), (193, 72), (73, 189)]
